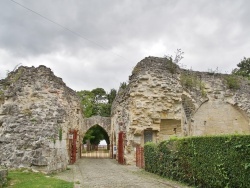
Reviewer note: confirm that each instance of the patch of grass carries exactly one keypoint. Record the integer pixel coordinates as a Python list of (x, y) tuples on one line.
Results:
[(20, 179)]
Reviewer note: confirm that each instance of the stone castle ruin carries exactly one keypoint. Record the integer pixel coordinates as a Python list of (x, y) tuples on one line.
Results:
[(37, 111), (42, 126), (163, 101)]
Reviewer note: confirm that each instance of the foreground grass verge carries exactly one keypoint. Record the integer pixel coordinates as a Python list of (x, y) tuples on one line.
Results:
[(23, 179)]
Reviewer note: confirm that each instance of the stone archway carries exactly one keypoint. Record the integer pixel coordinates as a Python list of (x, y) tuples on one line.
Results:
[(104, 122), (218, 117)]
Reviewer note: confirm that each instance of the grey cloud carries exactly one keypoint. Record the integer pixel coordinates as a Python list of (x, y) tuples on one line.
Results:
[(211, 33)]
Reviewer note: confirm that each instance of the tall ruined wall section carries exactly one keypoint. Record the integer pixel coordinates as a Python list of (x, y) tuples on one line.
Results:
[(37, 110), (162, 100), (153, 93)]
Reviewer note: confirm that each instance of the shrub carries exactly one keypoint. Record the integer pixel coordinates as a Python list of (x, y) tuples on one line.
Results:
[(232, 82), (221, 161), (151, 151)]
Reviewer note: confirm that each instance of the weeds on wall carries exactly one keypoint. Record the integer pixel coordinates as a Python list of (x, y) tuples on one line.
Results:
[(1, 95), (174, 61), (123, 85), (60, 133), (173, 67), (213, 71), (15, 77), (232, 82), (191, 81), (18, 75), (218, 161)]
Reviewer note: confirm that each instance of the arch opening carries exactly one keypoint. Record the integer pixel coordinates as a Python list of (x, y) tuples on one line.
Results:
[(91, 142)]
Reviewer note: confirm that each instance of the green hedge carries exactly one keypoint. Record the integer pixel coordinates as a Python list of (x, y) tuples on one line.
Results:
[(221, 161)]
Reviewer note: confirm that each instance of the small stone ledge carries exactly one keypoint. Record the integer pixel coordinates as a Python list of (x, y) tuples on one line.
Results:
[(3, 176)]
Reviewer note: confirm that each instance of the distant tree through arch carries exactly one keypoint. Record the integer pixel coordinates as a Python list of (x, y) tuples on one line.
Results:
[(94, 135)]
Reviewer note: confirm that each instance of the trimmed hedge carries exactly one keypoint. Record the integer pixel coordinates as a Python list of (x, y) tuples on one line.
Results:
[(216, 161)]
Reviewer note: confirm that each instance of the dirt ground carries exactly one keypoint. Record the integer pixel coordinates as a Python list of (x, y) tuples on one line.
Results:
[(89, 172)]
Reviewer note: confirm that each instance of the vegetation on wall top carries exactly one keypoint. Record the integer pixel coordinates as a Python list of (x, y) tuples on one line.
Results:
[(191, 81), (174, 61), (232, 82)]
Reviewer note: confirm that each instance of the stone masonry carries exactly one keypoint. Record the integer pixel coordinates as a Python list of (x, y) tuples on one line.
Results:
[(163, 101), (104, 122), (37, 110)]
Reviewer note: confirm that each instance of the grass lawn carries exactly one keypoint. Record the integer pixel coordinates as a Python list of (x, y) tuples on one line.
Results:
[(22, 179)]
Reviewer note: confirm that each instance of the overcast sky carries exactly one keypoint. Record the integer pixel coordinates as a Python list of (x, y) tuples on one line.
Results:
[(212, 33)]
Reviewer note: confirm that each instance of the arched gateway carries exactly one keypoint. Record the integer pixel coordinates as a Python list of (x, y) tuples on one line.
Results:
[(104, 122)]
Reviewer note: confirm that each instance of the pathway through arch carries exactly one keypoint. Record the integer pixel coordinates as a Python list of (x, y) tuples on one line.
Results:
[(94, 151), (108, 173)]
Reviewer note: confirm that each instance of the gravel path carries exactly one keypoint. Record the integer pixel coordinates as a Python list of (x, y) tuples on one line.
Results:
[(88, 172)]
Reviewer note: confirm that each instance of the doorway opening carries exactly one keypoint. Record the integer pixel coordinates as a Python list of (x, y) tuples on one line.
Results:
[(96, 143)]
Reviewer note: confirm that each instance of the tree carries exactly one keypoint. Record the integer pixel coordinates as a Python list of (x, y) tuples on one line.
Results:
[(100, 94), (96, 102), (95, 134), (88, 136), (87, 102), (111, 96), (243, 68)]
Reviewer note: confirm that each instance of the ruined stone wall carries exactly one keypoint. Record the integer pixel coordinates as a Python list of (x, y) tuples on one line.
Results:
[(169, 101), (153, 93), (37, 110), (224, 110)]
